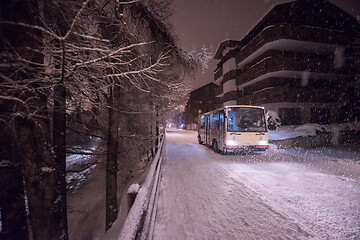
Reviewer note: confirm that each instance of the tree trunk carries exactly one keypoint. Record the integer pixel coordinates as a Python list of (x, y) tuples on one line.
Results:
[(59, 143), (152, 140), (157, 130), (12, 201), (111, 160), (41, 180)]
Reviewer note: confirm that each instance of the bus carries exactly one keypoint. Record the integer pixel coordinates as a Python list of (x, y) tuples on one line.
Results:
[(236, 128)]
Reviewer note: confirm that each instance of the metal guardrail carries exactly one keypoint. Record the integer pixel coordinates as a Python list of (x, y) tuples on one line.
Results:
[(139, 223)]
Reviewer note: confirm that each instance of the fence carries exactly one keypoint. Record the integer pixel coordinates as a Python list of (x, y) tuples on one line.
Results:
[(139, 223)]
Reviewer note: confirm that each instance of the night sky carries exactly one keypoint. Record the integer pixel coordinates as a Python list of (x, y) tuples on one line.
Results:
[(205, 23)]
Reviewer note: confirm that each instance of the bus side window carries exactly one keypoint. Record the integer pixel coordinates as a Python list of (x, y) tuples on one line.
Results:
[(202, 122), (221, 121), (214, 119)]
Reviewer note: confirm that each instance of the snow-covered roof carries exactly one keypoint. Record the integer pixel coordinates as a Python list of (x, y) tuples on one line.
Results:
[(315, 13), (223, 45)]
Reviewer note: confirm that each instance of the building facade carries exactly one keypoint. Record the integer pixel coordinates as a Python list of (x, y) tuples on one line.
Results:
[(300, 60), (200, 101)]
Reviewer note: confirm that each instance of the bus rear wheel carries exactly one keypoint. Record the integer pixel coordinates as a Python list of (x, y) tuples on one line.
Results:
[(215, 146)]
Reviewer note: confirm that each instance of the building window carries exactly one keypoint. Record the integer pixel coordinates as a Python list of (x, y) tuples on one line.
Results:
[(290, 116), (320, 115)]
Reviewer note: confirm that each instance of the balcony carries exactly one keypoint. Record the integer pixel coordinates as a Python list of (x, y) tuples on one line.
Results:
[(276, 95), (273, 61), (218, 91), (298, 33), (218, 73), (229, 96)]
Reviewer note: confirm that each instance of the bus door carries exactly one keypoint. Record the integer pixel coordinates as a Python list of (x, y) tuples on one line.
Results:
[(221, 129), (207, 130)]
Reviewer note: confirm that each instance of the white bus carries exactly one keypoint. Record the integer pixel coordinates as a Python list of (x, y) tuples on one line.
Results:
[(237, 128)]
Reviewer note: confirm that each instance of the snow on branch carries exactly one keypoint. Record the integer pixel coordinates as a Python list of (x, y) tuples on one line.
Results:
[(121, 50), (91, 37)]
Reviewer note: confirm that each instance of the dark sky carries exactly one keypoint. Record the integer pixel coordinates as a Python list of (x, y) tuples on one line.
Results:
[(205, 23)]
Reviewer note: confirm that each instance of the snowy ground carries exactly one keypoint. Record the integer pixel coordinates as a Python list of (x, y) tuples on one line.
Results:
[(79, 166), (275, 195)]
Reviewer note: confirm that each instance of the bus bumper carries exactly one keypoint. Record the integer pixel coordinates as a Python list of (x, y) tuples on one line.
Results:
[(250, 148)]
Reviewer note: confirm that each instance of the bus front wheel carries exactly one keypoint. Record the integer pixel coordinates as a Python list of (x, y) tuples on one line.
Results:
[(199, 139)]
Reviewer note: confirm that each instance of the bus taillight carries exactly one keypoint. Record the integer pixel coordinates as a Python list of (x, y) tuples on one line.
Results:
[(262, 146)]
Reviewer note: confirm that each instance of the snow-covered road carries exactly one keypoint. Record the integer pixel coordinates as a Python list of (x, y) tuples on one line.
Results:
[(272, 195)]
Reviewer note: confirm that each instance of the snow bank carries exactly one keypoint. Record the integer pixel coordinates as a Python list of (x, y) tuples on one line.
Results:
[(134, 188), (309, 129), (78, 159), (343, 127), (78, 176), (78, 165), (285, 132)]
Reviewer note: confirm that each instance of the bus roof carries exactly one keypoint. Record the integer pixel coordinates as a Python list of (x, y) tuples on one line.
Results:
[(241, 106)]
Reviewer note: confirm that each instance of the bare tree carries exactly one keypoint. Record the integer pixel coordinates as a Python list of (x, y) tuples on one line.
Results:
[(84, 58)]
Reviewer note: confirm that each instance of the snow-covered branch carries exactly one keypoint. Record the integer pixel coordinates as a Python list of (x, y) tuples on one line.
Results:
[(121, 50), (76, 19)]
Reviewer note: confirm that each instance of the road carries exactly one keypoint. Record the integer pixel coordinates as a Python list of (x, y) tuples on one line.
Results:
[(272, 195)]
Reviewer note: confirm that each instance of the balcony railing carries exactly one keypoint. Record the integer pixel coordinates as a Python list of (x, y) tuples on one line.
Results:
[(301, 33)]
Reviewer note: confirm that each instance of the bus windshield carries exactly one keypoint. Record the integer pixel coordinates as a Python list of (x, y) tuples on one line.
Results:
[(245, 119)]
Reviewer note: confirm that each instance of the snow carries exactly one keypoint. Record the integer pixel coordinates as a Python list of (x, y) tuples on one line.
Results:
[(343, 126), (86, 205), (78, 176), (47, 169), (285, 132), (309, 129), (279, 194), (79, 166), (5, 163), (273, 195), (134, 188), (76, 159), (86, 208), (334, 154)]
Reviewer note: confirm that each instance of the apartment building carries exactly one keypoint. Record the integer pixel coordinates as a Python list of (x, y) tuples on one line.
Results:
[(301, 60), (201, 100)]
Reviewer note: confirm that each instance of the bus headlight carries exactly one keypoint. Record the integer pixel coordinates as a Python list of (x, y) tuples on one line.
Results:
[(262, 142), (231, 143)]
